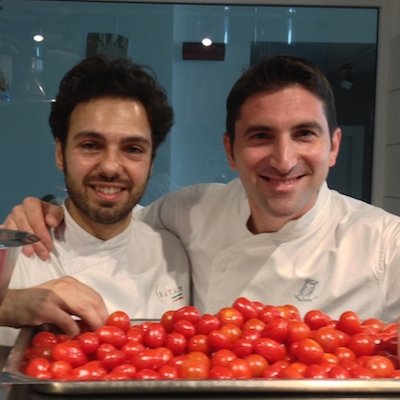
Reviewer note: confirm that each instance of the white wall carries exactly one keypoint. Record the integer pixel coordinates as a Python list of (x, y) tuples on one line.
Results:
[(391, 194)]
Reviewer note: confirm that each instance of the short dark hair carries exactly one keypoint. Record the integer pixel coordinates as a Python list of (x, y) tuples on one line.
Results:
[(276, 73), (97, 77)]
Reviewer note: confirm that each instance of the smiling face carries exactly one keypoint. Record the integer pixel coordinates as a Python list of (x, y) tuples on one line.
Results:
[(106, 162), (282, 151)]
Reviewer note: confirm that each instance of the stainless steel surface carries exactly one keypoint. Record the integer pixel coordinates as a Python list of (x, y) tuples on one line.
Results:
[(11, 242), (291, 388)]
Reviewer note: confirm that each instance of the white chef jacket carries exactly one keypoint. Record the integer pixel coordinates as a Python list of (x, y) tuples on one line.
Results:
[(344, 254), (141, 271)]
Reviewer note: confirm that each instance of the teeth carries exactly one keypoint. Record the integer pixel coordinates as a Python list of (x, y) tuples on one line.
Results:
[(107, 190)]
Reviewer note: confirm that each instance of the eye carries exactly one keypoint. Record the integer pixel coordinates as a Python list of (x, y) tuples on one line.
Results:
[(305, 134), (134, 150), (260, 136), (89, 146)]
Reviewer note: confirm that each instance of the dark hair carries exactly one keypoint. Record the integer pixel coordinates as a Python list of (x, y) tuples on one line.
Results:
[(97, 77), (276, 73)]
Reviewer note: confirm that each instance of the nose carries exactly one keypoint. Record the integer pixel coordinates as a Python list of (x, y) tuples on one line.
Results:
[(110, 164), (284, 156)]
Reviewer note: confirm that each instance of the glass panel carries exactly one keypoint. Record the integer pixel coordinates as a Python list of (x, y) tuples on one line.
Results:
[(342, 40)]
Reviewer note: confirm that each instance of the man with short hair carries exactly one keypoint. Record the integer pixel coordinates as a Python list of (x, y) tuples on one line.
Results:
[(108, 120)]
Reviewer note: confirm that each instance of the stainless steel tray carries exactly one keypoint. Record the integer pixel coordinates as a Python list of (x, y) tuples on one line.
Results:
[(12, 375)]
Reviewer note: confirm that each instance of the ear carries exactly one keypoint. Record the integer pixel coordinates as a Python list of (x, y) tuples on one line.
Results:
[(335, 146), (229, 151), (59, 156)]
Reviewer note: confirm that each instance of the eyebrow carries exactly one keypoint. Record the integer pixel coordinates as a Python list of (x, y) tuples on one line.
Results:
[(99, 136), (303, 125)]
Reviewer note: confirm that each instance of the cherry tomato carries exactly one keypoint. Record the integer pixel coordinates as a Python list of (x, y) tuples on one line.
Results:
[(167, 320), (222, 357), (60, 370), (277, 329), (231, 330), (242, 347), (176, 342), (257, 364), (155, 335), (246, 308), (119, 319), (362, 344), (89, 342), (131, 348), (44, 339), (38, 367), (297, 330), (90, 371), (207, 323), (147, 374), (70, 352), (198, 343), (316, 319), (126, 370), (338, 372), (270, 349), (309, 351), (220, 372), (230, 315), (135, 333), (186, 328), (349, 322), (188, 313), (218, 340), (316, 371), (240, 368), (112, 335), (269, 313), (328, 338), (168, 372), (193, 368), (380, 366), (113, 358)]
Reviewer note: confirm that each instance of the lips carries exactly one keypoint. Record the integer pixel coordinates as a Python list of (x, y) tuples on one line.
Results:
[(107, 190)]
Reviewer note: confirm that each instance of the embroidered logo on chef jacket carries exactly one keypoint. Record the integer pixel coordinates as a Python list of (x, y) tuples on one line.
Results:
[(307, 290), (168, 294)]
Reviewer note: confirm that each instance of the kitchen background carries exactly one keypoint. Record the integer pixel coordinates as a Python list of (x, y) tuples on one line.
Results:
[(357, 44)]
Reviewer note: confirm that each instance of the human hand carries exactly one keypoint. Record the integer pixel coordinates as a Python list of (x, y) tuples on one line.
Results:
[(35, 216), (55, 302)]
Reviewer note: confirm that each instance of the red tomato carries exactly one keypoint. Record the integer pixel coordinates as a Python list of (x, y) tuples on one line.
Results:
[(362, 344), (297, 330), (254, 324), (186, 328), (257, 364), (113, 358), (103, 350), (176, 342), (126, 370), (380, 366), (44, 339), (207, 323), (290, 312), (291, 372), (242, 347), (329, 338), (89, 342), (359, 372), (218, 340), (270, 349), (277, 329), (316, 371), (131, 348), (38, 367), (269, 313), (147, 374), (135, 333), (155, 335), (188, 313), (308, 351), (372, 325), (231, 330), (90, 371), (246, 308), (338, 372), (222, 357), (198, 343), (273, 371), (349, 322), (148, 359), (70, 352), (60, 370), (168, 372), (316, 319), (119, 319), (220, 372), (240, 369), (112, 335), (230, 315), (194, 368), (167, 320)]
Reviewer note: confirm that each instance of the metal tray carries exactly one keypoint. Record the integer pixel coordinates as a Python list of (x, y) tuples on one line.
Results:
[(11, 374)]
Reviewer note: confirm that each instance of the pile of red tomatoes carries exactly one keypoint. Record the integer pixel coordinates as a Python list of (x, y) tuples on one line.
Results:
[(248, 340)]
